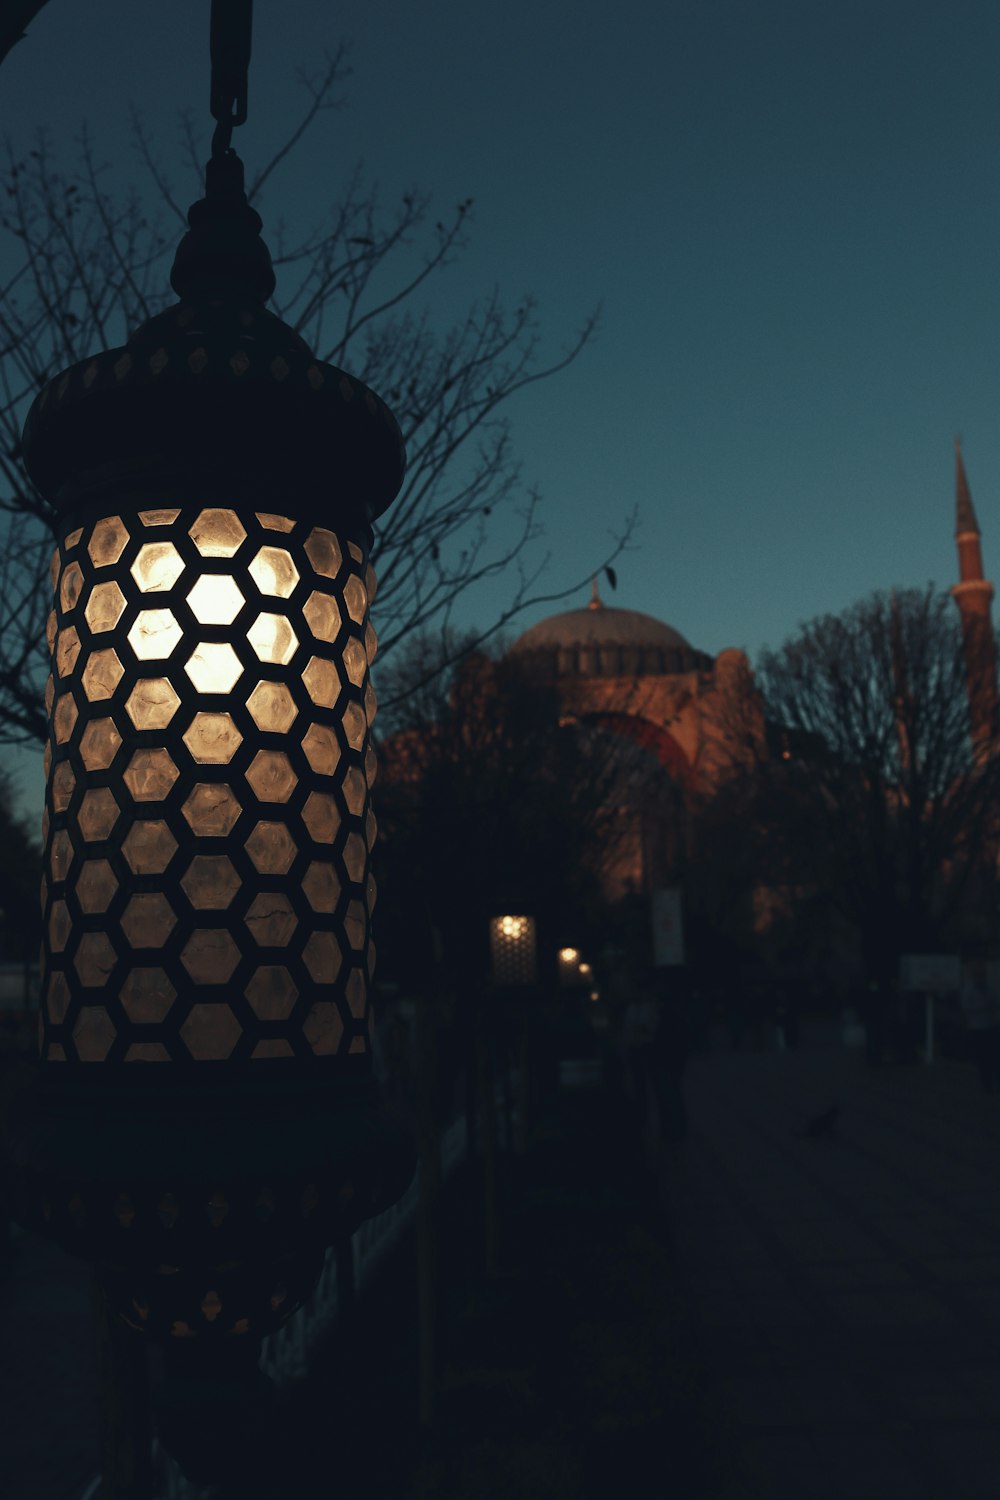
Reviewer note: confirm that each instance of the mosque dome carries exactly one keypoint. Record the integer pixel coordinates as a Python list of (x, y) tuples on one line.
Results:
[(602, 641)]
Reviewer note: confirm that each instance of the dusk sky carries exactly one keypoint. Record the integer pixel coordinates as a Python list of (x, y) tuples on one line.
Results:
[(789, 211)]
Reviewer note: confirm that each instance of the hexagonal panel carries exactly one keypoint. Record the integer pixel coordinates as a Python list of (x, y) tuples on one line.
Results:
[(57, 999), (355, 599), (63, 785), (215, 599), (142, 1052), (101, 675), (271, 847), (371, 642), (210, 955), (272, 993), (150, 775), (321, 956), (323, 551), (355, 725), (321, 886), (108, 542), (273, 639), (321, 817), (371, 764), (270, 919), (355, 661), (67, 650), (210, 882), (99, 744), (273, 1047), (93, 1033), (152, 703), (95, 885), (322, 682), (212, 739), (321, 748), (271, 776), (217, 533), (271, 522), (160, 516), (354, 925), (64, 718), (60, 926), (272, 707), (98, 814), (147, 996), (211, 1032), (357, 993), (323, 1028), (51, 627), (105, 607), (214, 667), (157, 567), (149, 847), (322, 616), (273, 571), (355, 790), (148, 920), (70, 588), (371, 703), (60, 855), (94, 960), (50, 693), (211, 810), (155, 634)]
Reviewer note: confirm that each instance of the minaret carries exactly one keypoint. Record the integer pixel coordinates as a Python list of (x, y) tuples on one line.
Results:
[(973, 595)]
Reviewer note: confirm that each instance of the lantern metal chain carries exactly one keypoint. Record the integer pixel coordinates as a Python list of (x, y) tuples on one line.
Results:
[(229, 46)]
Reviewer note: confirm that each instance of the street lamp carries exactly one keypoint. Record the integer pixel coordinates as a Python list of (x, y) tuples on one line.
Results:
[(205, 1119)]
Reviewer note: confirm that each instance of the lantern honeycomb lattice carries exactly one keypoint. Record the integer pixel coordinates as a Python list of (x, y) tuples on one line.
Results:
[(208, 825), (512, 950)]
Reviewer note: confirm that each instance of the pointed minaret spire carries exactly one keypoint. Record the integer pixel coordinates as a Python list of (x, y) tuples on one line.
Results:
[(596, 602), (967, 533), (973, 594)]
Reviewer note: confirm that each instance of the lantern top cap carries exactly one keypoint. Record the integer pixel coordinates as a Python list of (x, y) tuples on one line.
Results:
[(222, 256)]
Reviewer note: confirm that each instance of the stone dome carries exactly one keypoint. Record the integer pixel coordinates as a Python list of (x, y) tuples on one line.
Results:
[(601, 641)]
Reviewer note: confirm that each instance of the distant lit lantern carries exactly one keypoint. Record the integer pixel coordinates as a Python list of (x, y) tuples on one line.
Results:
[(513, 951), (569, 966), (205, 1120)]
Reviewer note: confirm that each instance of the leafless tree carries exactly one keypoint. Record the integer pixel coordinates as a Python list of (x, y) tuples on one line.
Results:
[(86, 263), (873, 790)]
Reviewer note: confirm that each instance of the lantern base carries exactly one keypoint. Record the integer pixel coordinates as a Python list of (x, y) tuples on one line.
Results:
[(197, 1197)]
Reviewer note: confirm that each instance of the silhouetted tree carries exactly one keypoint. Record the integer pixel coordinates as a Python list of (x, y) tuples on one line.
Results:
[(871, 790), (86, 263)]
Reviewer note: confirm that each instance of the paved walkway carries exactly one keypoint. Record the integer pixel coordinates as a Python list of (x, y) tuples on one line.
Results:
[(843, 1294)]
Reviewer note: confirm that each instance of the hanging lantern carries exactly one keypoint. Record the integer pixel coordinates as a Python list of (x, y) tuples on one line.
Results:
[(205, 1120), (513, 951)]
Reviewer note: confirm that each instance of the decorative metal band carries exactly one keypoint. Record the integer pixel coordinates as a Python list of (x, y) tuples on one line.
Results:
[(208, 821)]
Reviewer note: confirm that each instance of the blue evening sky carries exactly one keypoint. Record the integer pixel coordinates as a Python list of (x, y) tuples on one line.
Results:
[(789, 211)]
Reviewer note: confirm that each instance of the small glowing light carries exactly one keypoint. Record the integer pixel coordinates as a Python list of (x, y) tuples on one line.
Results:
[(585, 969), (569, 955), (595, 994), (513, 927)]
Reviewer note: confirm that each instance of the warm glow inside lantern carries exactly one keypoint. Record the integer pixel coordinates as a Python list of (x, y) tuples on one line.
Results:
[(512, 951), (208, 890)]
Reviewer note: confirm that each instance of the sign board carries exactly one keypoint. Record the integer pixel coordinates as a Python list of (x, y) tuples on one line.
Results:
[(934, 973), (668, 929)]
